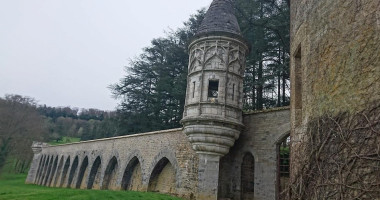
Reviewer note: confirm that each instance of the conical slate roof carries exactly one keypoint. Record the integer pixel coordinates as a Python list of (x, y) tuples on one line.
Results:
[(220, 18)]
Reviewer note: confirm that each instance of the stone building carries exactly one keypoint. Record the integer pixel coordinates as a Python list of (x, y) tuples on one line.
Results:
[(335, 98), (220, 153)]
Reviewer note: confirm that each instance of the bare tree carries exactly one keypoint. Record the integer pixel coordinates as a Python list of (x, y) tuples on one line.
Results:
[(20, 124)]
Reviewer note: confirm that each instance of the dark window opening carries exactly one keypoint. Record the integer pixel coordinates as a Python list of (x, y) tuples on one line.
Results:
[(284, 158), (233, 92), (248, 177), (283, 166), (193, 89), (298, 87), (213, 86)]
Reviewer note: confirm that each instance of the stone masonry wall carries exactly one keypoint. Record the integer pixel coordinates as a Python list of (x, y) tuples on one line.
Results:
[(339, 45), (149, 148), (163, 161), (335, 71), (335, 62), (260, 138)]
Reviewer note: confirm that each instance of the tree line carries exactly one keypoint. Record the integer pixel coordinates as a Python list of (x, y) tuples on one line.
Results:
[(152, 93), (23, 121)]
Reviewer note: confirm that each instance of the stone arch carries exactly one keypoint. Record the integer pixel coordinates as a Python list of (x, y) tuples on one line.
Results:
[(230, 183), (132, 177), (282, 135), (47, 171), (82, 171), (40, 166), (73, 169), (94, 177), (52, 173), (43, 170), (164, 173), (247, 177), (283, 164), (64, 172), (59, 171), (168, 154), (246, 150), (215, 52), (110, 173), (210, 62)]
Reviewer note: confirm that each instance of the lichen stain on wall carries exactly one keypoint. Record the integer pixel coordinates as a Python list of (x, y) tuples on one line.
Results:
[(341, 62)]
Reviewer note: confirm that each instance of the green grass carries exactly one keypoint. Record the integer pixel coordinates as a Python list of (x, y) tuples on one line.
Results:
[(12, 187), (64, 140)]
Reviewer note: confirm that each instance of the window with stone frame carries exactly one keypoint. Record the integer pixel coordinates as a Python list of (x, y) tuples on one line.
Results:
[(248, 177), (213, 89)]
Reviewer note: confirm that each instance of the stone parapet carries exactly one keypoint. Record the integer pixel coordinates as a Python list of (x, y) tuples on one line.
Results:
[(38, 146)]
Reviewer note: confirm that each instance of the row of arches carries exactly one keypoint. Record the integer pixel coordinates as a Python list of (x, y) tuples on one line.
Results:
[(65, 171)]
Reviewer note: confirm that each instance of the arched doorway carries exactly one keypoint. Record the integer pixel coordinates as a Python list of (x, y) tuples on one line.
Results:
[(41, 166), (64, 173), (82, 172), (59, 172), (110, 174), (47, 172), (53, 171), (162, 178), (248, 177), (132, 178), (74, 167), (94, 178)]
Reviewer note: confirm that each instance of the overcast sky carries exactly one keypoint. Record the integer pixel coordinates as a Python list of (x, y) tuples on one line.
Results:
[(66, 52)]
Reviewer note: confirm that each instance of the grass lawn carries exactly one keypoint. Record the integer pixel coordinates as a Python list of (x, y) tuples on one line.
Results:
[(12, 187), (64, 140)]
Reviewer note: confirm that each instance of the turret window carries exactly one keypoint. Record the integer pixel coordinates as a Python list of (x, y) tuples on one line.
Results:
[(233, 92), (193, 89), (213, 86)]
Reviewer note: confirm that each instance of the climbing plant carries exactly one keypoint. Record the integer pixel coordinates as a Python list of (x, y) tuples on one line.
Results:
[(341, 158)]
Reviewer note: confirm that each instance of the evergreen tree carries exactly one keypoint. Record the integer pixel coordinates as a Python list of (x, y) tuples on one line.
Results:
[(265, 24), (153, 91)]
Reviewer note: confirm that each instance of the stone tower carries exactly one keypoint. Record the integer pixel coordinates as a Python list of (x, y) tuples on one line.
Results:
[(212, 116)]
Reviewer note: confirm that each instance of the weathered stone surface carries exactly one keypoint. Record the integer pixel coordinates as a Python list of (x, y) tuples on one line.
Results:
[(261, 137), (149, 148), (212, 116), (214, 123), (37, 148), (339, 49), (335, 64), (140, 165)]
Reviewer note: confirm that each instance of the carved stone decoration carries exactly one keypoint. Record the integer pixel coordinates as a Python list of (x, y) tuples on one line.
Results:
[(212, 124)]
